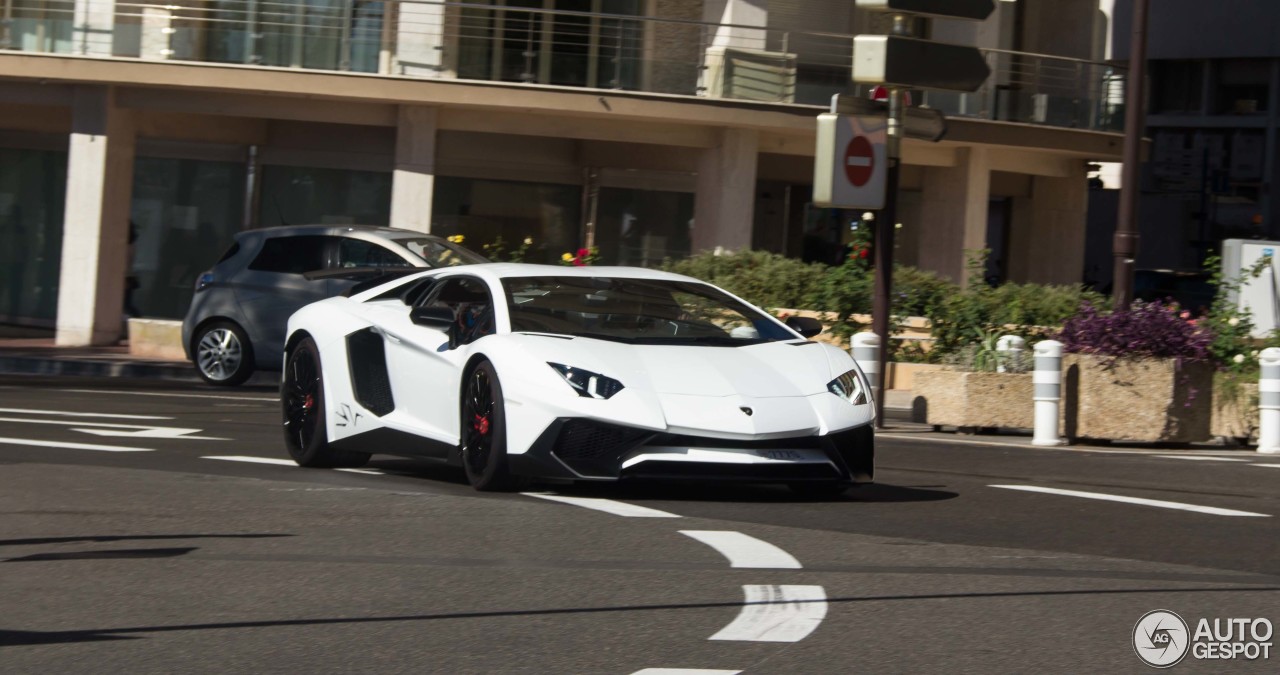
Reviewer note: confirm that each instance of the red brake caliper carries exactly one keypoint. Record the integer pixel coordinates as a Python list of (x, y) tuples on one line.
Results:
[(481, 424)]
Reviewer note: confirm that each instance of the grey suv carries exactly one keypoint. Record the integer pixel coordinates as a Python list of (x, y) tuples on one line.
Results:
[(238, 314)]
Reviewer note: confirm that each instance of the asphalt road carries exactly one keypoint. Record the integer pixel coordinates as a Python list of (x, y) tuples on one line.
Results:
[(127, 545)]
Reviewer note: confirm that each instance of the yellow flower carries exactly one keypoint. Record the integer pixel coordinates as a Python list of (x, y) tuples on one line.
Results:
[(568, 257), (457, 238), (528, 241)]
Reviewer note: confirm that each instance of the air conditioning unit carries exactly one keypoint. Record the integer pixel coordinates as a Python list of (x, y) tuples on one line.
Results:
[(752, 75)]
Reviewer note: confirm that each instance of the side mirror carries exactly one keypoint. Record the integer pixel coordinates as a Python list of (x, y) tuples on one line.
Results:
[(806, 326), (439, 318)]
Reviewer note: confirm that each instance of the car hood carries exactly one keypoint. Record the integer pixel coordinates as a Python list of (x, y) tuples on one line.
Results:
[(768, 370)]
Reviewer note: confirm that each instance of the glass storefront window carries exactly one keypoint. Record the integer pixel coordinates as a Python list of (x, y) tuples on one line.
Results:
[(484, 210), (33, 193), (185, 213), (510, 43), (643, 227), (294, 195)]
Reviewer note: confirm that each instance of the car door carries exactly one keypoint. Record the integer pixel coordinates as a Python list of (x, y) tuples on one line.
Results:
[(425, 364), (273, 287)]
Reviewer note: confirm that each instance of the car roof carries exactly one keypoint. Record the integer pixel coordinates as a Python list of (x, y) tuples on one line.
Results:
[(499, 271), (296, 230)]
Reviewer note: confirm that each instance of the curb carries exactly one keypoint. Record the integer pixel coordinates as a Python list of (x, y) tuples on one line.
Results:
[(29, 365)]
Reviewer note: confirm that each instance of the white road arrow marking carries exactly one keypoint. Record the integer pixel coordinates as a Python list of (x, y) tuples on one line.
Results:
[(1211, 510), (108, 429), (744, 550), (777, 614)]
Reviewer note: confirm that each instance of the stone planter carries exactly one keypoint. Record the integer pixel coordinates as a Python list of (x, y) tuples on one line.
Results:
[(1235, 411), (1153, 400), (962, 399)]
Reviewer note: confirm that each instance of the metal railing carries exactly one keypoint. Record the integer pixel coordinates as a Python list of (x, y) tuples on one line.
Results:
[(497, 42)]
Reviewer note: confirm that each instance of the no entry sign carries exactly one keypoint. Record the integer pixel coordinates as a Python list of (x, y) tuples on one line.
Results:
[(859, 161), (850, 161)]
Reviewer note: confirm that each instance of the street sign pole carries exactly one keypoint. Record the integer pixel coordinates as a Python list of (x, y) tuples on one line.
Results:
[(881, 305), (1124, 246)]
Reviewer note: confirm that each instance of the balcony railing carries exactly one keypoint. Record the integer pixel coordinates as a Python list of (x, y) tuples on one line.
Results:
[(501, 41)]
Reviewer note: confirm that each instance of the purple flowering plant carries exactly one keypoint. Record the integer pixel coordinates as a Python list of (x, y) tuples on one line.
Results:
[(1146, 330)]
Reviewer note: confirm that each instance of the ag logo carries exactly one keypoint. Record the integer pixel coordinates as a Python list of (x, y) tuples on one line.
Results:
[(1161, 638)]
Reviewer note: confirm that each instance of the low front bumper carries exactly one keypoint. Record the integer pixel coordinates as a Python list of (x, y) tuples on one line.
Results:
[(578, 449)]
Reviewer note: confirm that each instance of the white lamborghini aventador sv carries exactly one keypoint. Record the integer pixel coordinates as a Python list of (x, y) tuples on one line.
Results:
[(573, 373)]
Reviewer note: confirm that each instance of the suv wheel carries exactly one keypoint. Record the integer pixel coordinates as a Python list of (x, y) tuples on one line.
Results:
[(222, 353)]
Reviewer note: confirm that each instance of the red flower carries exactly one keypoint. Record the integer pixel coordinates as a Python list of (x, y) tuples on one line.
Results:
[(582, 252), (577, 262), (862, 253)]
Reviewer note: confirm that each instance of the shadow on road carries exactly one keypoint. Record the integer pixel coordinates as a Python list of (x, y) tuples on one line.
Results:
[(17, 637), (750, 493), (116, 554), (131, 537)]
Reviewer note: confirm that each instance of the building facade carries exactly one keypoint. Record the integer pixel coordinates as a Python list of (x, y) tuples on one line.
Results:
[(1213, 112), (135, 139)]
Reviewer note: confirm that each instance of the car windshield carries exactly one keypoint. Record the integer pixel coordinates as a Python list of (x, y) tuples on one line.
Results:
[(641, 311), (440, 253)]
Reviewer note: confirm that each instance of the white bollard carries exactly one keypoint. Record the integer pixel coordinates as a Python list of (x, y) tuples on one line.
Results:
[(1008, 349), (1269, 402), (865, 348), (1047, 380)]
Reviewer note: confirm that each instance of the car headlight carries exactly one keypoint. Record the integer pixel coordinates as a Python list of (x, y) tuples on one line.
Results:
[(587, 383), (851, 387)]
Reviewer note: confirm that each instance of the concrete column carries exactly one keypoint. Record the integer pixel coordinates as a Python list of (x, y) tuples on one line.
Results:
[(93, 22), (953, 213), (1047, 237), (423, 45), (414, 179), (95, 229), (724, 206)]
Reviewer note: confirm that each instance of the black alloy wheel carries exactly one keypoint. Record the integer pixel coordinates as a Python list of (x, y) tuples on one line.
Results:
[(302, 401), (484, 433)]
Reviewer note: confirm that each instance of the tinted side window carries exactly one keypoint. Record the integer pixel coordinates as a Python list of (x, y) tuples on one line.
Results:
[(470, 302), (291, 255), (231, 252), (360, 253)]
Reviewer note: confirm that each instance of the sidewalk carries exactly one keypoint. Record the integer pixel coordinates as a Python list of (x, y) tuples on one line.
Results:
[(39, 356)]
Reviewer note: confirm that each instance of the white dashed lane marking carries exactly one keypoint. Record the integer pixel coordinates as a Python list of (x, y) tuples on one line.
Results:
[(368, 472), (777, 614), (605, 505), (253, 460), (1271, 466), (1201, 458), (70, 413), (684, 671), (166, 394), (71, 446), (745, 551), (1211, 510)]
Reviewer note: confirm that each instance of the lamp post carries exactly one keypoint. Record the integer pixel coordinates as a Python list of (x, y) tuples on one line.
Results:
[(1125, 244)]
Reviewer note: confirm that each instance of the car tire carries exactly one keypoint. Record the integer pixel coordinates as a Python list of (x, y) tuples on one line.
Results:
[(302, 403), (222, 353), (482, 443)]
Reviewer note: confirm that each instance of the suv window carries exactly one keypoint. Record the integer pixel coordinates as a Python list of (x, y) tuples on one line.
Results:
[(291, 255), (361, 253)]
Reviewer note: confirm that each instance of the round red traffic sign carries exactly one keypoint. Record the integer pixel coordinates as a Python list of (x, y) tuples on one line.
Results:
[(859, 161)]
